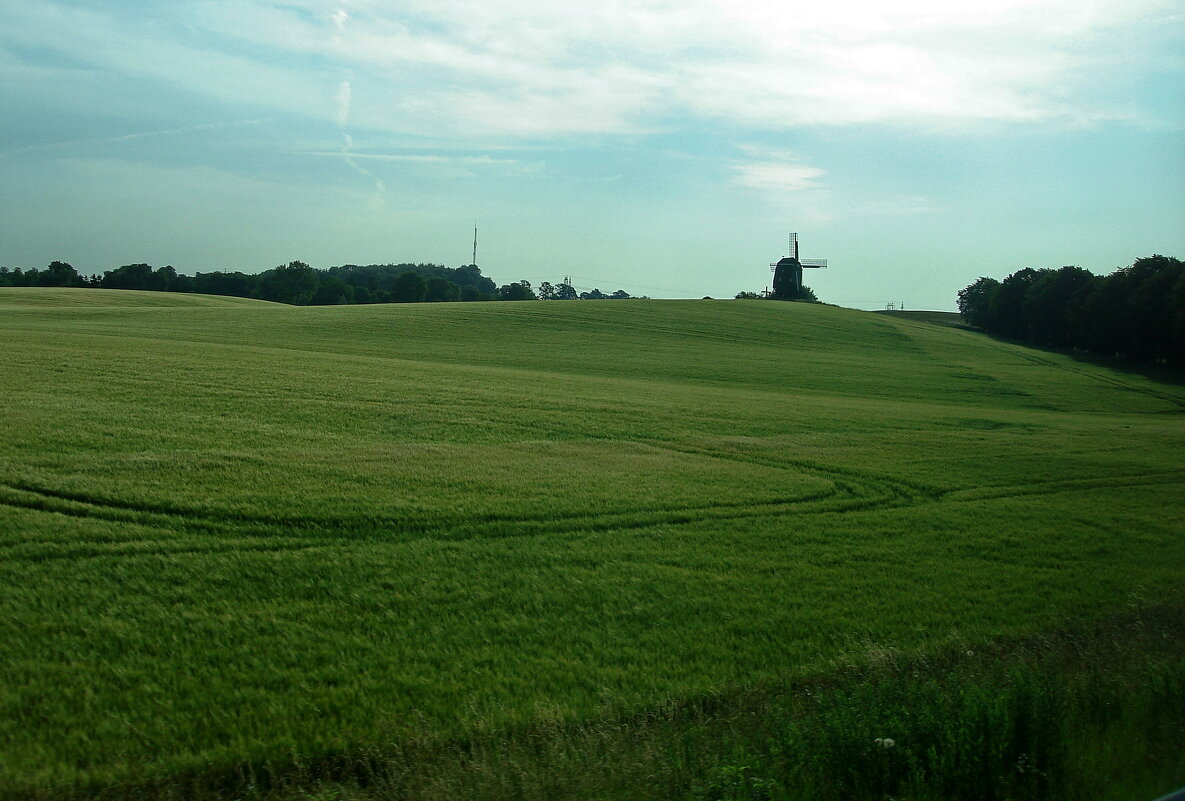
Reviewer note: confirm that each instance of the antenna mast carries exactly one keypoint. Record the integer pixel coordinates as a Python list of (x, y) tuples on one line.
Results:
[(475, 244)]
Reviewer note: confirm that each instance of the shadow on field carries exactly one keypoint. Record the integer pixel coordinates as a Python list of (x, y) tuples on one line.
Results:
[(1163, 375)]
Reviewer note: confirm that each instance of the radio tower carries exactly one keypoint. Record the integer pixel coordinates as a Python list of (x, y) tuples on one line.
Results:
[(474, 245)]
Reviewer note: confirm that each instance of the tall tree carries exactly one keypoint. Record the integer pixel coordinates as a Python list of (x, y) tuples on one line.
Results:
[(294, 283), (59, 273), (519, 290), (442, 290), (409, 288)]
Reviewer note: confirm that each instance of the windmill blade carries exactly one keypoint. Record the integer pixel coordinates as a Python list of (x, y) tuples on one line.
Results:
[(822, 263)]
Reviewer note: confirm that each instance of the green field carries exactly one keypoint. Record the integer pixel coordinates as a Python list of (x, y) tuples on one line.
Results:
[(238, 538)]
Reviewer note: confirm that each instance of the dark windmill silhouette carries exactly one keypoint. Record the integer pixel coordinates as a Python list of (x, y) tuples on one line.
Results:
[(788, 272)]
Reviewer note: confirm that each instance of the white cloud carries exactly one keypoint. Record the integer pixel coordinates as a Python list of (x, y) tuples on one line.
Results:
[(779, 177), (539, 69), (775, 171)]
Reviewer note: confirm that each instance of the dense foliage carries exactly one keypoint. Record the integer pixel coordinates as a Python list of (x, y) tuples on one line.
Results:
[(295, 283), (298, 284), (803, 294), (1136, 314)]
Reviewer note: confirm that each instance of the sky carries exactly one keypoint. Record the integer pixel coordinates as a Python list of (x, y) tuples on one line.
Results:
[(664, 147)]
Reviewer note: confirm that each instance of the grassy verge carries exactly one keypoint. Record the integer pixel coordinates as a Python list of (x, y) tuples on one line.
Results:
[(1094, 711)]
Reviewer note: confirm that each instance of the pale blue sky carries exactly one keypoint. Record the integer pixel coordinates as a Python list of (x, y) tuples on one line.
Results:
[(664, 147)]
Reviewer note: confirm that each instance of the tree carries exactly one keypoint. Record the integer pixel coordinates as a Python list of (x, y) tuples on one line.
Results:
[(165, 279), (745, 295), (295, 283), (332, 291), (975, 302), (595, 294), (179, 282), (564, 291), (59, 273), (442, 290), (409, 288), (129, 276), (1137, 313), (520, 290), (620, 294), (546, 291), (1008, 312), (1147, 316), (470, 275), (1177, 326), (236, 284), (1047, 304)]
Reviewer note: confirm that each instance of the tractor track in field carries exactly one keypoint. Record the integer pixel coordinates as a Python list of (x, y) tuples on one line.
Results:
[(295, 534), (188, 531), (849, 490), (1053, 487)]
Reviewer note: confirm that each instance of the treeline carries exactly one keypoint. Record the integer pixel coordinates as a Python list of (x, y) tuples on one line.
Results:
[(1136, 313), (803, 294), (299, 284)]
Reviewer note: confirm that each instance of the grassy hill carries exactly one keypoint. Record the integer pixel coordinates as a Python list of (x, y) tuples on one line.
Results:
[(59, 297), (239, 538)]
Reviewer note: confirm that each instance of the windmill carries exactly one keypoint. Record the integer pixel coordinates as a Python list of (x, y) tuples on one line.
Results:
[(788, 272)]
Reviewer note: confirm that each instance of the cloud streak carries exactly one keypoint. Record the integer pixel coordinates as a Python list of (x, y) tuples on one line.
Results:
[(131, 137), (380, 189), (342, 103)]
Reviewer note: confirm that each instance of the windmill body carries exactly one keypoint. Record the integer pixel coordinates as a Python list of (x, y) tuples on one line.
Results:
[(788, 272)]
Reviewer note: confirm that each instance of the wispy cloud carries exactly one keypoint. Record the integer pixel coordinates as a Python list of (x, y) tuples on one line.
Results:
[(380, 189), (778, 172), (131, 137), (342, 102), (778, 177), (529, 69), (452, 164)]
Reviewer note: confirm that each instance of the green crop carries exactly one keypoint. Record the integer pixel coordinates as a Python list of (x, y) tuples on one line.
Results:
[(236, 534)]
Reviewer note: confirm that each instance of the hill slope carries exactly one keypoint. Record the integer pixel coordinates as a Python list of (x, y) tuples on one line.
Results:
[(67, 297), (237, 533)]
